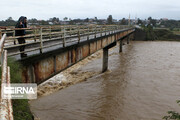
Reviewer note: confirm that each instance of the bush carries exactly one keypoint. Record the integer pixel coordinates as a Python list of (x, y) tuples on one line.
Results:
[(172, 115), (164, 34), (150, 35), (21, 110)]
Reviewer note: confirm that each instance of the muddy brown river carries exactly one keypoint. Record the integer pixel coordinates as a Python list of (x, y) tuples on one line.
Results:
[(142, 83)]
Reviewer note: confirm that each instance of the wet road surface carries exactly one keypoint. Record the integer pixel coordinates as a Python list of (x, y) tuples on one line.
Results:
[(142, 83)]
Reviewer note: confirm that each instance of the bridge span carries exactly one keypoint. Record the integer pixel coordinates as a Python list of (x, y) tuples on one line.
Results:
[(50, 49), (53, 49)]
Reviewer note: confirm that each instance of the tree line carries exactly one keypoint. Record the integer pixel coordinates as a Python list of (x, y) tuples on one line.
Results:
[(68, 21), (163, 23), (56, 21)]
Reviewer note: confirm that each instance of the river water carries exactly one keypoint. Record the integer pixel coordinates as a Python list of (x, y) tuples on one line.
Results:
[(142, 83)]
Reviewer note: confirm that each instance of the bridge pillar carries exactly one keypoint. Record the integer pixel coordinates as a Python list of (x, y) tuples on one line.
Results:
[(105, 56), (105, 59), (120, 46)]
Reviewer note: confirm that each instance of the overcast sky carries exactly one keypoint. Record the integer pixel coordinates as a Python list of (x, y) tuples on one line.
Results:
[(45, 9)]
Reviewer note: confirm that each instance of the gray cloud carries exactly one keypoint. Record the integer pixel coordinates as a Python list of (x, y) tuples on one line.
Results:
[(44, 9)]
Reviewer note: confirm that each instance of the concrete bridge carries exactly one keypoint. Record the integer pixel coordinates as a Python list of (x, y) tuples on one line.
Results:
[(52, 49)]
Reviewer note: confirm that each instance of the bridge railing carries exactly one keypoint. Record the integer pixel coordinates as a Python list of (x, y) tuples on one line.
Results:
[(6, 110), (57, 35)]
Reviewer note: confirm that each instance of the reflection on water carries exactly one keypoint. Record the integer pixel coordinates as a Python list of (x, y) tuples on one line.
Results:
[(143, 83)]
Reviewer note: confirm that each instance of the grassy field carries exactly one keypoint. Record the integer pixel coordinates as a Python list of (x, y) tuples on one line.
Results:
[(162, 34)]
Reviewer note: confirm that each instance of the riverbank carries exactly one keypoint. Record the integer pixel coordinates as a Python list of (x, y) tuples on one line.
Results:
[(155, 34), (166, 35)]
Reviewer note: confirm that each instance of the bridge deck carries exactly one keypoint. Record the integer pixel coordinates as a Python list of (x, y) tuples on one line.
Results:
[(48, 43)]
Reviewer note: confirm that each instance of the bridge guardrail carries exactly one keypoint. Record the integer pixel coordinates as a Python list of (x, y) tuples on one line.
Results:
[(6, 110), (40, 35)]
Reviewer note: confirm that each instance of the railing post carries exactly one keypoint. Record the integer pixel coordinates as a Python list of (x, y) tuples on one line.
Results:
[(2, 57), (61, 35), (50, 33), (2, 41), (88, 34), (101, 30), (64, 36), (14, 36), (78, 35), (83, 30), (70, 31), (41, 42), (95, 32), (34, 30), (4, 102), (9, 95)]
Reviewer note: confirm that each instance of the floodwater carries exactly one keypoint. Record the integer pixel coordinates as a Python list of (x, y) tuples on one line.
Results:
[(142, 83)]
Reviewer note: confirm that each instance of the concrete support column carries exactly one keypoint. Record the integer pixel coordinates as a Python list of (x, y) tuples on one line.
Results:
[(105, 59), (120, 46)]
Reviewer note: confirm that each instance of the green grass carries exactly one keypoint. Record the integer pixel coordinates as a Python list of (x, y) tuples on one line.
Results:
[(15, 70), (166, 35), (21, 110)]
